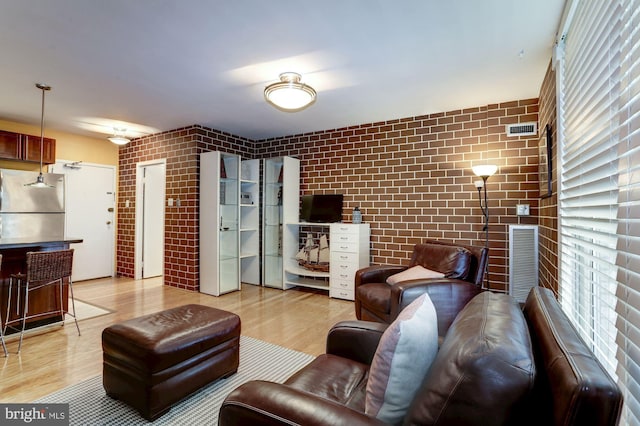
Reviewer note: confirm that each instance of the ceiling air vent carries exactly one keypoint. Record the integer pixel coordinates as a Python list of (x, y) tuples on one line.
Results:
[(522, 129)]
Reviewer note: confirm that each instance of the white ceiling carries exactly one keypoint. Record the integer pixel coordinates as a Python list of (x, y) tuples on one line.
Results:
[(156, 65)]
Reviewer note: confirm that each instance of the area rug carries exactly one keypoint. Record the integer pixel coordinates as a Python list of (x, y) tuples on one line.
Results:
[(86, 310), (89, 405)]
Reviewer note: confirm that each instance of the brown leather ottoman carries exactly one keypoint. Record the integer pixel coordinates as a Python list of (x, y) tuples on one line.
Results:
[(154, 361)]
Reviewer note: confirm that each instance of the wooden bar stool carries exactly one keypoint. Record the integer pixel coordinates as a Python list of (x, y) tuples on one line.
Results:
[(44, 268), (4, 346)]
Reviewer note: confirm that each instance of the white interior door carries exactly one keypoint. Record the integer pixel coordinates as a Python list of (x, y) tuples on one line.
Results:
[(153, 220), (89, 214)]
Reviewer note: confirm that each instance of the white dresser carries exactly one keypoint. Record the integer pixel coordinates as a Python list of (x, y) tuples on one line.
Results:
[(349, 246)]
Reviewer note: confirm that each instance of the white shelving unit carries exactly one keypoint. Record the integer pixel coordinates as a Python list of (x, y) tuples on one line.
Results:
[(230, 230), (348, 248), (219, 223), (295, 275), (281, 203), (250, 221)]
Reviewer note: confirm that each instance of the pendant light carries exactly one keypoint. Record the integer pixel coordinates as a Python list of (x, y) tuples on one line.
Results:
[(40, 183)]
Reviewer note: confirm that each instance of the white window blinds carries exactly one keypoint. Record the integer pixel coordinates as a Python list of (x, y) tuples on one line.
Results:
[(599, 198), (628, 259)]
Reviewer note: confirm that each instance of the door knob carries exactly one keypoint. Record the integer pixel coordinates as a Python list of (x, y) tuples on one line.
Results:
[(108, 222)]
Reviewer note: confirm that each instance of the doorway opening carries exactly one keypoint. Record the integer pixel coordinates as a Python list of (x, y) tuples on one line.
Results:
[(150, 213)]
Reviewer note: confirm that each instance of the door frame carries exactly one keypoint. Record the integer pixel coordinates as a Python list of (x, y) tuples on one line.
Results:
[(139, 213)]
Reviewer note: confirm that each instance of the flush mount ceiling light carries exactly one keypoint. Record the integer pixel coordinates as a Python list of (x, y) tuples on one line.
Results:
[(289, 94), (118, 137), (40, 183)]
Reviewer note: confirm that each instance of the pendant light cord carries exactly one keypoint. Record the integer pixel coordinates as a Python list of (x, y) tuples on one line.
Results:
[(44, 88), (42, 131)]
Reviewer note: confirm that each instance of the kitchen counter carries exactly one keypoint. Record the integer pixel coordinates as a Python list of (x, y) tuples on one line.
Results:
[(11, 243), (14, 255)]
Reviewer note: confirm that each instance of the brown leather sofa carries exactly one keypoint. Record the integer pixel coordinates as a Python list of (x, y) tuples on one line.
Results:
[(464, 268), (498, 365)]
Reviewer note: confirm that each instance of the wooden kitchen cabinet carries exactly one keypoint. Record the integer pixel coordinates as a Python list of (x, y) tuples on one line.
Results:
[(10, 146), (17, 146), (31, 149)]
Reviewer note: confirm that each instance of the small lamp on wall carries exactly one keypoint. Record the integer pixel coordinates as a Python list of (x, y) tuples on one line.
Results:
[(484, 172)]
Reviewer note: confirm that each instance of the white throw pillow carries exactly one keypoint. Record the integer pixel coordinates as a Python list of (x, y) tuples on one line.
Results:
[(414, 273), (403, 357)]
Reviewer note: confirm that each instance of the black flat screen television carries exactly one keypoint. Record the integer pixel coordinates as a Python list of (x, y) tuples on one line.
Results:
[(321, 208)]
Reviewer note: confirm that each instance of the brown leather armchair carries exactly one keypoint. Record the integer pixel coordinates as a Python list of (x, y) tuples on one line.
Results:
[(463, 266)]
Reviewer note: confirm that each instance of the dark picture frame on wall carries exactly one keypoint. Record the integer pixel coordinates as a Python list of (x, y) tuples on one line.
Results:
[(544, 162)]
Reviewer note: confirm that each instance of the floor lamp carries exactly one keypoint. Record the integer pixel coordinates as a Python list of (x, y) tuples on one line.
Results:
[(484, 172)]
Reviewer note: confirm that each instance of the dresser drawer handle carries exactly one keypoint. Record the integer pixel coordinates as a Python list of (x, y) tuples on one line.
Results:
[(344, 257), (344, 266), (344, 276), (344, 247)]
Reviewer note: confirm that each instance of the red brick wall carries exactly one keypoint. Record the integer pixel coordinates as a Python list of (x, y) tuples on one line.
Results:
[(180, 148), (548, 215), (412, 177)]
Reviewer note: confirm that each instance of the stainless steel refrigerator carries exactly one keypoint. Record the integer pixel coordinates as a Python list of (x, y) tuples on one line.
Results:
[(35, 214)]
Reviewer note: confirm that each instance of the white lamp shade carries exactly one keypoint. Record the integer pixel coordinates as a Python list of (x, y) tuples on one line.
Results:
[(485, 170)]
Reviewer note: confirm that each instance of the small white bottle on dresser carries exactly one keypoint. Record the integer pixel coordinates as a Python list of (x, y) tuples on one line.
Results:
[(349, 246)]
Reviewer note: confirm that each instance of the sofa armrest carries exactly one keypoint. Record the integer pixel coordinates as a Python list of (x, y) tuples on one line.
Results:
[(267, 403), (376, 273), (355, 340), (449, 296), (572, 387)]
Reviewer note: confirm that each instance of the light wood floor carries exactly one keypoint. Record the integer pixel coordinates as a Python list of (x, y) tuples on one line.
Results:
[(56, 357)]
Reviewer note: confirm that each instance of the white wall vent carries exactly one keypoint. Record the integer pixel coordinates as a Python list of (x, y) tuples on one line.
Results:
[(523, 260), (522, 129)]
